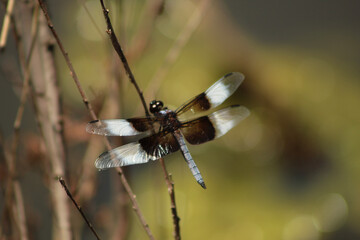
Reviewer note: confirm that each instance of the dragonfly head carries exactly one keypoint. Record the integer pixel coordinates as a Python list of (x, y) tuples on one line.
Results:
[(156, 106)]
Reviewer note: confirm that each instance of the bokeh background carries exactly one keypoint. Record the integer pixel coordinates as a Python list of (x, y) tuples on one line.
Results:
[(289, 171)]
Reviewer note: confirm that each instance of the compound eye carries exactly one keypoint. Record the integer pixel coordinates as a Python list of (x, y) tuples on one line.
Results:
[(160, 104), (156, 106), (153, 106)]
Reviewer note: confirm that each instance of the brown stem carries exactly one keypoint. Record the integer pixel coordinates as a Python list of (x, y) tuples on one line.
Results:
[(25, 66), (14, 203), (63, 184), (121, 54), (20, 211), (171, 191), (6, 23)]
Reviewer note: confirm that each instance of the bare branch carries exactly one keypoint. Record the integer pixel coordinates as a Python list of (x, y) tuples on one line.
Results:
[(14, 202), (121, 54), (19, 210), (25, 65), (6, 24), (63, 184), (171, 191)]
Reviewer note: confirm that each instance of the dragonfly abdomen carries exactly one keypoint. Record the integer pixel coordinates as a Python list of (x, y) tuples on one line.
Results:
[(188, 158)]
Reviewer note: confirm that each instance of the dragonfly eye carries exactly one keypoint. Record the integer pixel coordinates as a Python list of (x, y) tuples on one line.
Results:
[(156, 106)]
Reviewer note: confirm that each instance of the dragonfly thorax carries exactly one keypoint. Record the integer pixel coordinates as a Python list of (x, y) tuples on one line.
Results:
[(169, 121)]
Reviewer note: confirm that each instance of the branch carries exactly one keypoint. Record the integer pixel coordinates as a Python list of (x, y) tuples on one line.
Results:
[(6, 24), (20, 211), (25, 66), (94, 117), (171, 191), (121, 54), (13, 198), (63, 184)]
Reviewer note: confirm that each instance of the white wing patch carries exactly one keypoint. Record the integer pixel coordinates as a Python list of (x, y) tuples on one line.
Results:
[(125, 155), (112, 127), (225, 119), (224, 88)]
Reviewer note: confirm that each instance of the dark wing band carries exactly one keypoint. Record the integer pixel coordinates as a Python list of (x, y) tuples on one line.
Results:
[(159, 145), (120, 127), (215, 125), (214, 96), (149, 148), (199, 130)]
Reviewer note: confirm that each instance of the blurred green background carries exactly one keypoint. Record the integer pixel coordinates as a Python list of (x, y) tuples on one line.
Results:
[(289, 171)]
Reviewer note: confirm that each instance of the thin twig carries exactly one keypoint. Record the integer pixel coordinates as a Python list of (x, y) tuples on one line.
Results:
[(62, 182), (121, 54), (14, 202), (20, 211), (171, 191), (94, 117), (6, 23), (25, 65)]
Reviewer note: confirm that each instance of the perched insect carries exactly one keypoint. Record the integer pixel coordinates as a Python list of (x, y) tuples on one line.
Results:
[(172, 128)]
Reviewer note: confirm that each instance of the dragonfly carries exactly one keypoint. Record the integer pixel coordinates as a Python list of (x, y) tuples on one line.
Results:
[(165, 131)]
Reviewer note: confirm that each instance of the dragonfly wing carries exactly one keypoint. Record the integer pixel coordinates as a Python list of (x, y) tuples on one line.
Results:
[(215, 125), (149, 148), (120, 127), (214, 95)]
